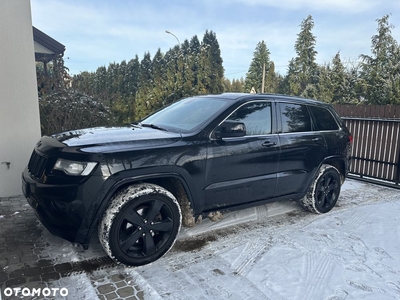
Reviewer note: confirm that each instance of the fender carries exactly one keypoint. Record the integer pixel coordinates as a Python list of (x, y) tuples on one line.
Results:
[(126, 181), (340, 165)]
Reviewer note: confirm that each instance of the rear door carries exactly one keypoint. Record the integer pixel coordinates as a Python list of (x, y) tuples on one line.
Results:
[(336, 138), (243, 169), (302, 148)]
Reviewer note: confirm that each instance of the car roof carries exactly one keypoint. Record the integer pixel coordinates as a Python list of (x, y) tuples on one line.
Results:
[(245, 96)]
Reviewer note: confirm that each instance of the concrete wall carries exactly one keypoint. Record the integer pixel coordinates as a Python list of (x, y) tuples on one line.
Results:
[(19, 109)]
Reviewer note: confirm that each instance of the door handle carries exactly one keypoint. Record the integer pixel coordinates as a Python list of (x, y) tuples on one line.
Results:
[(316, 139), (268, 144)]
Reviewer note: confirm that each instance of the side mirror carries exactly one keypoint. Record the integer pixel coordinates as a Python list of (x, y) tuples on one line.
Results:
[(230, 129)]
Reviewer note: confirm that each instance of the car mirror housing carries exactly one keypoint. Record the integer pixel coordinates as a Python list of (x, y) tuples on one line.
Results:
[(230, 129)]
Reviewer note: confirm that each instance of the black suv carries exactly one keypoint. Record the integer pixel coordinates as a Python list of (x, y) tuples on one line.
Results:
[(137, 184)]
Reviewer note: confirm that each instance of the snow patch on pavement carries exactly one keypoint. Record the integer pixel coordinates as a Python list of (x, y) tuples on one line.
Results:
[(277, 251)]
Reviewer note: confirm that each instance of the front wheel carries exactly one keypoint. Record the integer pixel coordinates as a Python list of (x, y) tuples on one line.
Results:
[(324, 191), (140, 225)]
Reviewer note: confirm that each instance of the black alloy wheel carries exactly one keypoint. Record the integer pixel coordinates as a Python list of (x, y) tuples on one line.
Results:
[(327, 191), (144, 227), (324, 192), (140, 225)]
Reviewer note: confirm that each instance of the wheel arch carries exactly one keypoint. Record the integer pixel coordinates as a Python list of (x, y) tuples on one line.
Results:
[(172, 182), (339, 164), (330, 192)]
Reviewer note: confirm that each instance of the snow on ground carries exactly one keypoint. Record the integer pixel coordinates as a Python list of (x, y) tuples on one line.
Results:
[(276, 251)]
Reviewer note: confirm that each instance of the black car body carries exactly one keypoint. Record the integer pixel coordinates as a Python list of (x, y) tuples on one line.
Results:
[(219, 152)]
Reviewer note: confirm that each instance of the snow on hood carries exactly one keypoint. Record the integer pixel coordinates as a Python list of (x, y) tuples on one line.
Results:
[(103, 139)]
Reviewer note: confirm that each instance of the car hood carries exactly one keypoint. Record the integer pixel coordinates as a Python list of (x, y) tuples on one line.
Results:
[(106, 139)]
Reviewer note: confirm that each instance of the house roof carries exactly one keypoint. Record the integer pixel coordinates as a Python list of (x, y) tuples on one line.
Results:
[(46, 48)]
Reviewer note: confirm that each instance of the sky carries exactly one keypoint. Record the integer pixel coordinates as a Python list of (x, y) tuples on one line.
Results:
[(99, 32)]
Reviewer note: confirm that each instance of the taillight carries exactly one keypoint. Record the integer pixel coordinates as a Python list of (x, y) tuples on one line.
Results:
[(350, 138)]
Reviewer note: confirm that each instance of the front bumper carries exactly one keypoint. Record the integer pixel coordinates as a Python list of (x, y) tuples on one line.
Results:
[(60, 208)]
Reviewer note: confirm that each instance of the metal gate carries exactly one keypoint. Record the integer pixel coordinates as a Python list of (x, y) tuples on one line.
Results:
[(375, 152)]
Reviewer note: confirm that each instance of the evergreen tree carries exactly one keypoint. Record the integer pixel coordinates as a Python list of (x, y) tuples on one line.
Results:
[(357, 87), (271, 79), (237, 85), (193, 61), (174, 80), (227, 85), (187, 60), (83, 82), (325, 85), (211, 72), (100, 85), (143, 103), (381, 70), (159, 79), (124, 111), (113, 78), (303, 69), (340, 80), (255, 72), (291, 84)]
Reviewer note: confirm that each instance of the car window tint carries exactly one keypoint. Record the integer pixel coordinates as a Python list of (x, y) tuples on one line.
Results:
[(187, 114), (323, 119), (256, 116), (295, 117)]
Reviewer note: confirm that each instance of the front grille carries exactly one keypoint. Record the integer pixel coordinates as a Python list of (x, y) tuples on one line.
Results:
[(37, 165)]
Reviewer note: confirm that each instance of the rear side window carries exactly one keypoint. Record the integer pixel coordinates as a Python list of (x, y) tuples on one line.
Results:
[(295, 118), (323, 119)]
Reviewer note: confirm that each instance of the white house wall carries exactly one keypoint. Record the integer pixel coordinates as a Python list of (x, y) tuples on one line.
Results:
[(19, 110)]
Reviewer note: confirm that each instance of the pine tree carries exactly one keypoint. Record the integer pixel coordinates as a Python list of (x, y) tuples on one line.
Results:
[(325, 83), (381, 70), (143, 104), (291, 84), (131, 82), (237, 85), (193, 61), (260, 61), (303, 69), (100, 85), (173, 74), (211, 72), (271, 79), (340, 80), (159, 79), (186, 63)]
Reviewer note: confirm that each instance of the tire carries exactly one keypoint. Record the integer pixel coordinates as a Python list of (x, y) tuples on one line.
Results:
[(140, 225), (324, 191)]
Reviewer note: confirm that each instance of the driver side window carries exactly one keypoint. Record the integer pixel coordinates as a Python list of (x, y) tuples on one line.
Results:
[(256, 116)]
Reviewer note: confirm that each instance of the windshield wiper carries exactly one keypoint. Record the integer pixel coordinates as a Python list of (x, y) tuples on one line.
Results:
[(152, 126)]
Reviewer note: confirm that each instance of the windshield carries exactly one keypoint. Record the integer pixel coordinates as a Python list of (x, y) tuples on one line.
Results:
[(186, 115)]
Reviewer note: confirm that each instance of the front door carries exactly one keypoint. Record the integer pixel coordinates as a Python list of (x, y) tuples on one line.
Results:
[(243, 169)]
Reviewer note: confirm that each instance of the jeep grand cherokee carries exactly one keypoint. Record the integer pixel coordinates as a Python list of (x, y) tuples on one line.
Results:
[(205, 153)]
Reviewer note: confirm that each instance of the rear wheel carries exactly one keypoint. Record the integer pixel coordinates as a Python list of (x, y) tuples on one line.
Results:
[(140, 225), (324, 191)]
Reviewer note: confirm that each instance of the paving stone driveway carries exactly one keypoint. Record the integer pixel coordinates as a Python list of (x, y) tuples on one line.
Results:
[(25, 264), (30, 257), (30, 260)]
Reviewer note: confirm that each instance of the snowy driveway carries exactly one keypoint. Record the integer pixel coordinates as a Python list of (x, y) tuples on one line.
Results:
[(277, 251)]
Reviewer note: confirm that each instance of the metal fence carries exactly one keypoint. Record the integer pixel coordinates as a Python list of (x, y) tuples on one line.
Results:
[(376, 146)]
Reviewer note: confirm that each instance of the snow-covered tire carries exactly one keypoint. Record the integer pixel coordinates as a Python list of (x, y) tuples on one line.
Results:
[(140, 225), (323, 192)]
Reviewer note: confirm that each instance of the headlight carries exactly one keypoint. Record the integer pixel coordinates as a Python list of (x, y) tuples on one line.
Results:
[(74, 168)]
